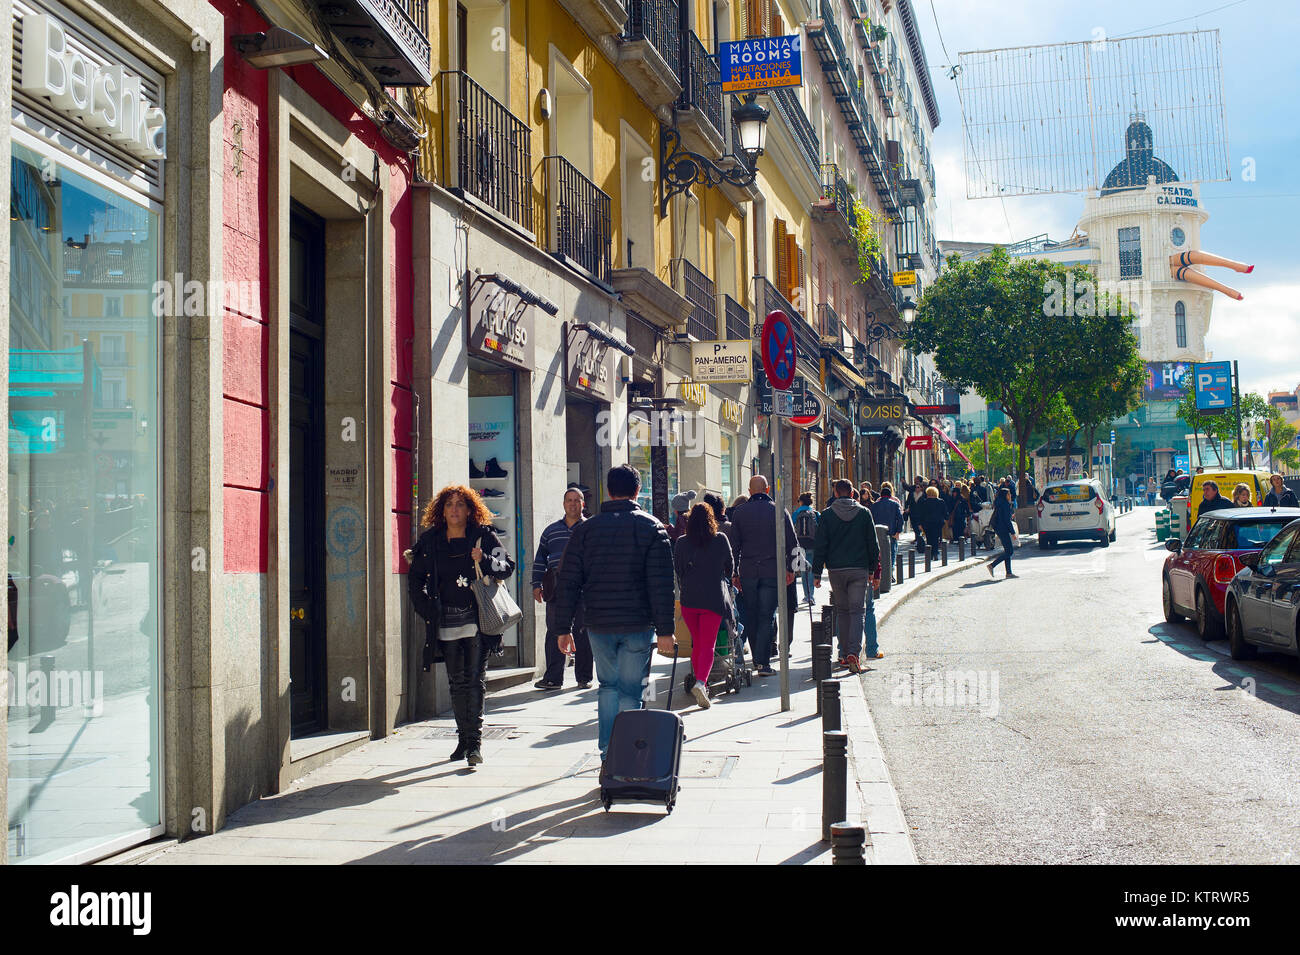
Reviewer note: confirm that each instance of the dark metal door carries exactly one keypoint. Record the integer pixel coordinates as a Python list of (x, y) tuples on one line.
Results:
[(306, 475)]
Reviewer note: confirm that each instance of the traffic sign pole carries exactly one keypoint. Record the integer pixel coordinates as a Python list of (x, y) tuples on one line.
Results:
[(782, 621), (1236, 395)]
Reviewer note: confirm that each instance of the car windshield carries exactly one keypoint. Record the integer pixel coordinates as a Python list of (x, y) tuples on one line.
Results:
[(1064, 493), (1254, 534)]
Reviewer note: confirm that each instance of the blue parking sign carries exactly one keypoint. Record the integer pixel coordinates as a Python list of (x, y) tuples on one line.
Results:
[(1213, 382)]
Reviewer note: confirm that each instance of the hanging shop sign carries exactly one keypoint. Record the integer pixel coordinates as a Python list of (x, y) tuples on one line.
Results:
[(501, 327), (589, 364), (905, 278), (760, 63), (693, 393), (810, 412), (98, 93), (731, 413), (938, 409), (881, 412), (919, 442), (718, 362)]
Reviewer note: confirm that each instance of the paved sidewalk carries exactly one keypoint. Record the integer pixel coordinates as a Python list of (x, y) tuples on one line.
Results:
[(751, 786)]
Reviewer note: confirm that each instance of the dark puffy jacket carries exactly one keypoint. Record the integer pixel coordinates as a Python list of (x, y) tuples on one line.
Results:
[(1001, 515), (846, 538), (929, 512), (886, 510), (1287, 499), (620, 565), (753, 538)]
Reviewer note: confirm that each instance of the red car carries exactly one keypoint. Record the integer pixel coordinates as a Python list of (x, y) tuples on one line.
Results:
[(1198, 570)]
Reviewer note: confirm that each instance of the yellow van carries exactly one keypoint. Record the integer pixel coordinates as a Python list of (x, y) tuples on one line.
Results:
[(1256, 480)]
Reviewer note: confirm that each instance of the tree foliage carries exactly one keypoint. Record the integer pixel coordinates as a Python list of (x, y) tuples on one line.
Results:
[(995, 326), (1001, 458)]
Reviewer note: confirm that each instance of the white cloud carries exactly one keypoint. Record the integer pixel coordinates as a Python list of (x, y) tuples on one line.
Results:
[(1262, 333)]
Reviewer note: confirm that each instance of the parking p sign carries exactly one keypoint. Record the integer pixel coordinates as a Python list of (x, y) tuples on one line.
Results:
[(1213, 382)]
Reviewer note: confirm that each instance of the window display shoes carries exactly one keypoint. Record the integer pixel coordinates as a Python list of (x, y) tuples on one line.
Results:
[(474, 470), (491, 492), (493, 469)]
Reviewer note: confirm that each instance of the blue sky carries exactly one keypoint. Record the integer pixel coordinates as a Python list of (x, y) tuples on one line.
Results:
[(1249, 221)]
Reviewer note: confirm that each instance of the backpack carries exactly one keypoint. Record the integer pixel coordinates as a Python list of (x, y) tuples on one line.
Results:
[(806, 527)]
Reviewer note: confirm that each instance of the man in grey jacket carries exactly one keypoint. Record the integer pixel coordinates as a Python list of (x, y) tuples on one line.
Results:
[(846, 545), (753, 538)]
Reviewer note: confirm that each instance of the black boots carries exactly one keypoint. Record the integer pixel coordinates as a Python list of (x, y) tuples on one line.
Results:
[(474, 470), (493, 469), (459, 752)]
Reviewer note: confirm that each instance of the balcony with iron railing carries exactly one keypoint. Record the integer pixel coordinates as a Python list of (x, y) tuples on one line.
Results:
[(737, 318), (826, 41), (487, 149), (835, 207), (599, 18), (700, 116), (389, 37), (649, 51), (786, 105), (829, 324), (698, 289), (578, 219)]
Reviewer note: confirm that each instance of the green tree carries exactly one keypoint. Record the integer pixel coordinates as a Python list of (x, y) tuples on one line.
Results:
[(1015, 332), (1222, 425), (1281, 439), (1002, 456)]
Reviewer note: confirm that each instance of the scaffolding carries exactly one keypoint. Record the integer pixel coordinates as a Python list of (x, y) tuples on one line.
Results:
[(1053, 118)]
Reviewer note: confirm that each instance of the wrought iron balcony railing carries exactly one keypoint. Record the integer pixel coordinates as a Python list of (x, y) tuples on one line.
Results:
[(578, 219), (788, 107), (698, 289), (656, 21), (835, 189), (828, 320), (389, 37), (702, 87), (737, 317), (486, 148)]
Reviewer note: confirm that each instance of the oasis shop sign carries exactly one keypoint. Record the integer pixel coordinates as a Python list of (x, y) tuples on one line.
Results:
[(102, 96), (501, 327)]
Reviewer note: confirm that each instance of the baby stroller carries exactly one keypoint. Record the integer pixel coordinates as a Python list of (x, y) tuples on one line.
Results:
[(729, 671)]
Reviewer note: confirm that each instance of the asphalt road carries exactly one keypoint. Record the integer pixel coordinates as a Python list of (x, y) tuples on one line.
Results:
[(1058, 718)]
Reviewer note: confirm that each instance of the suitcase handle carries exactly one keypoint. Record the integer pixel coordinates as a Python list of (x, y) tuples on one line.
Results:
[(672, 677)]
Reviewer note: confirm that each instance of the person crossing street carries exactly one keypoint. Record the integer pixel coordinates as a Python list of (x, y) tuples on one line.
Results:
[(846, 545)]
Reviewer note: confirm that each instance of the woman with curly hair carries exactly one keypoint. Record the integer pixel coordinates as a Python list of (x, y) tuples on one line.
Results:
[(458, 538)]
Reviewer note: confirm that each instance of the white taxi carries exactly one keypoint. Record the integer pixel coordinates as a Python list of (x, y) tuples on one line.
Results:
[(1075, 510)]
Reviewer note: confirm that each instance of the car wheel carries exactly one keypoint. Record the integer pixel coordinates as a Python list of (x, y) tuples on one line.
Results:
[(1207, 627), (1042, 542), (1112, 537), (1167, 599), (1237, 645), (1105, 540)]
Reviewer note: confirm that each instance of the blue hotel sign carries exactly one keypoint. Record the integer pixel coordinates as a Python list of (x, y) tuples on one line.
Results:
[(1213, 385), (761, 63)]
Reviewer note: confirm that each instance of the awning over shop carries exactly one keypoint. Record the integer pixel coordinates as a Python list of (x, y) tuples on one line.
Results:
[(843, 369), (953, 444)]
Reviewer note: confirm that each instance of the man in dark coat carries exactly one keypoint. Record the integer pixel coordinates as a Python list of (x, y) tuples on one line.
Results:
[(886, 510), (619, 564), (846, 545), (759, 572)]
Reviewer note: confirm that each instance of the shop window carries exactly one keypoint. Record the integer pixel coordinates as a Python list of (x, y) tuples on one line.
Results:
[(84, 763)]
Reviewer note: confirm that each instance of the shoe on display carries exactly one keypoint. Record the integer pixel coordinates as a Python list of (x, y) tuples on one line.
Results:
[(493, 469), (474, 470), (491, 492)]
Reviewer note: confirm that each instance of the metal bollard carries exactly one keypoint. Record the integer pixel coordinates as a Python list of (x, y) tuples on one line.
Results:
[(927, 559), (829, 691), (821, 664), (835, 779), (961, 549), (911, 563), (944, 545), (848, 844), (898, 568)]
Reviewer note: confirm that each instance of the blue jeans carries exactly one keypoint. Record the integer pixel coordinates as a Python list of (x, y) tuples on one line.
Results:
[(623, 669), (869, 624), (893, 553), (808, 585), (760, 617)]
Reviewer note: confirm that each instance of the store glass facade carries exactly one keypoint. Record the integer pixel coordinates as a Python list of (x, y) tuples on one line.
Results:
[(83, 681)]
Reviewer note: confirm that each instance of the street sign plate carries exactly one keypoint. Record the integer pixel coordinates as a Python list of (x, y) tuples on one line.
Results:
[(778, 350), (783, 404), (1213, 381), (905, 277), (760, 63), (722, 361)]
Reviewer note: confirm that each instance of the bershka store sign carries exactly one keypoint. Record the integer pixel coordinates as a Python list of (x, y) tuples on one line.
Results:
[(102, 96), (588, 365), (501, 328)]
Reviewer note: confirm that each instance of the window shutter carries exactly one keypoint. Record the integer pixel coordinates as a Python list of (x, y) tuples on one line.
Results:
[(780, 259), (776, 25), (755, 14), (802, 280)]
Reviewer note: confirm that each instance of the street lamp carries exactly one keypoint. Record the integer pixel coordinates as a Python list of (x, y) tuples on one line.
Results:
[(679, 168), (907, 311)]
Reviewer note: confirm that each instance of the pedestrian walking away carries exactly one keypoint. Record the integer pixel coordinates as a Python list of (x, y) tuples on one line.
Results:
[(546, 566), (753, 538), (681, 503), (805, 528), (1002, 526), (847, 546), (619, 566), (703, 563), (1280, 495), (457, 538), (885, 510), (929, 514)]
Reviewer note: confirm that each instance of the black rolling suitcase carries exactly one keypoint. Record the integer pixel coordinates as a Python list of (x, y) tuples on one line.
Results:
[(645, 755)]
